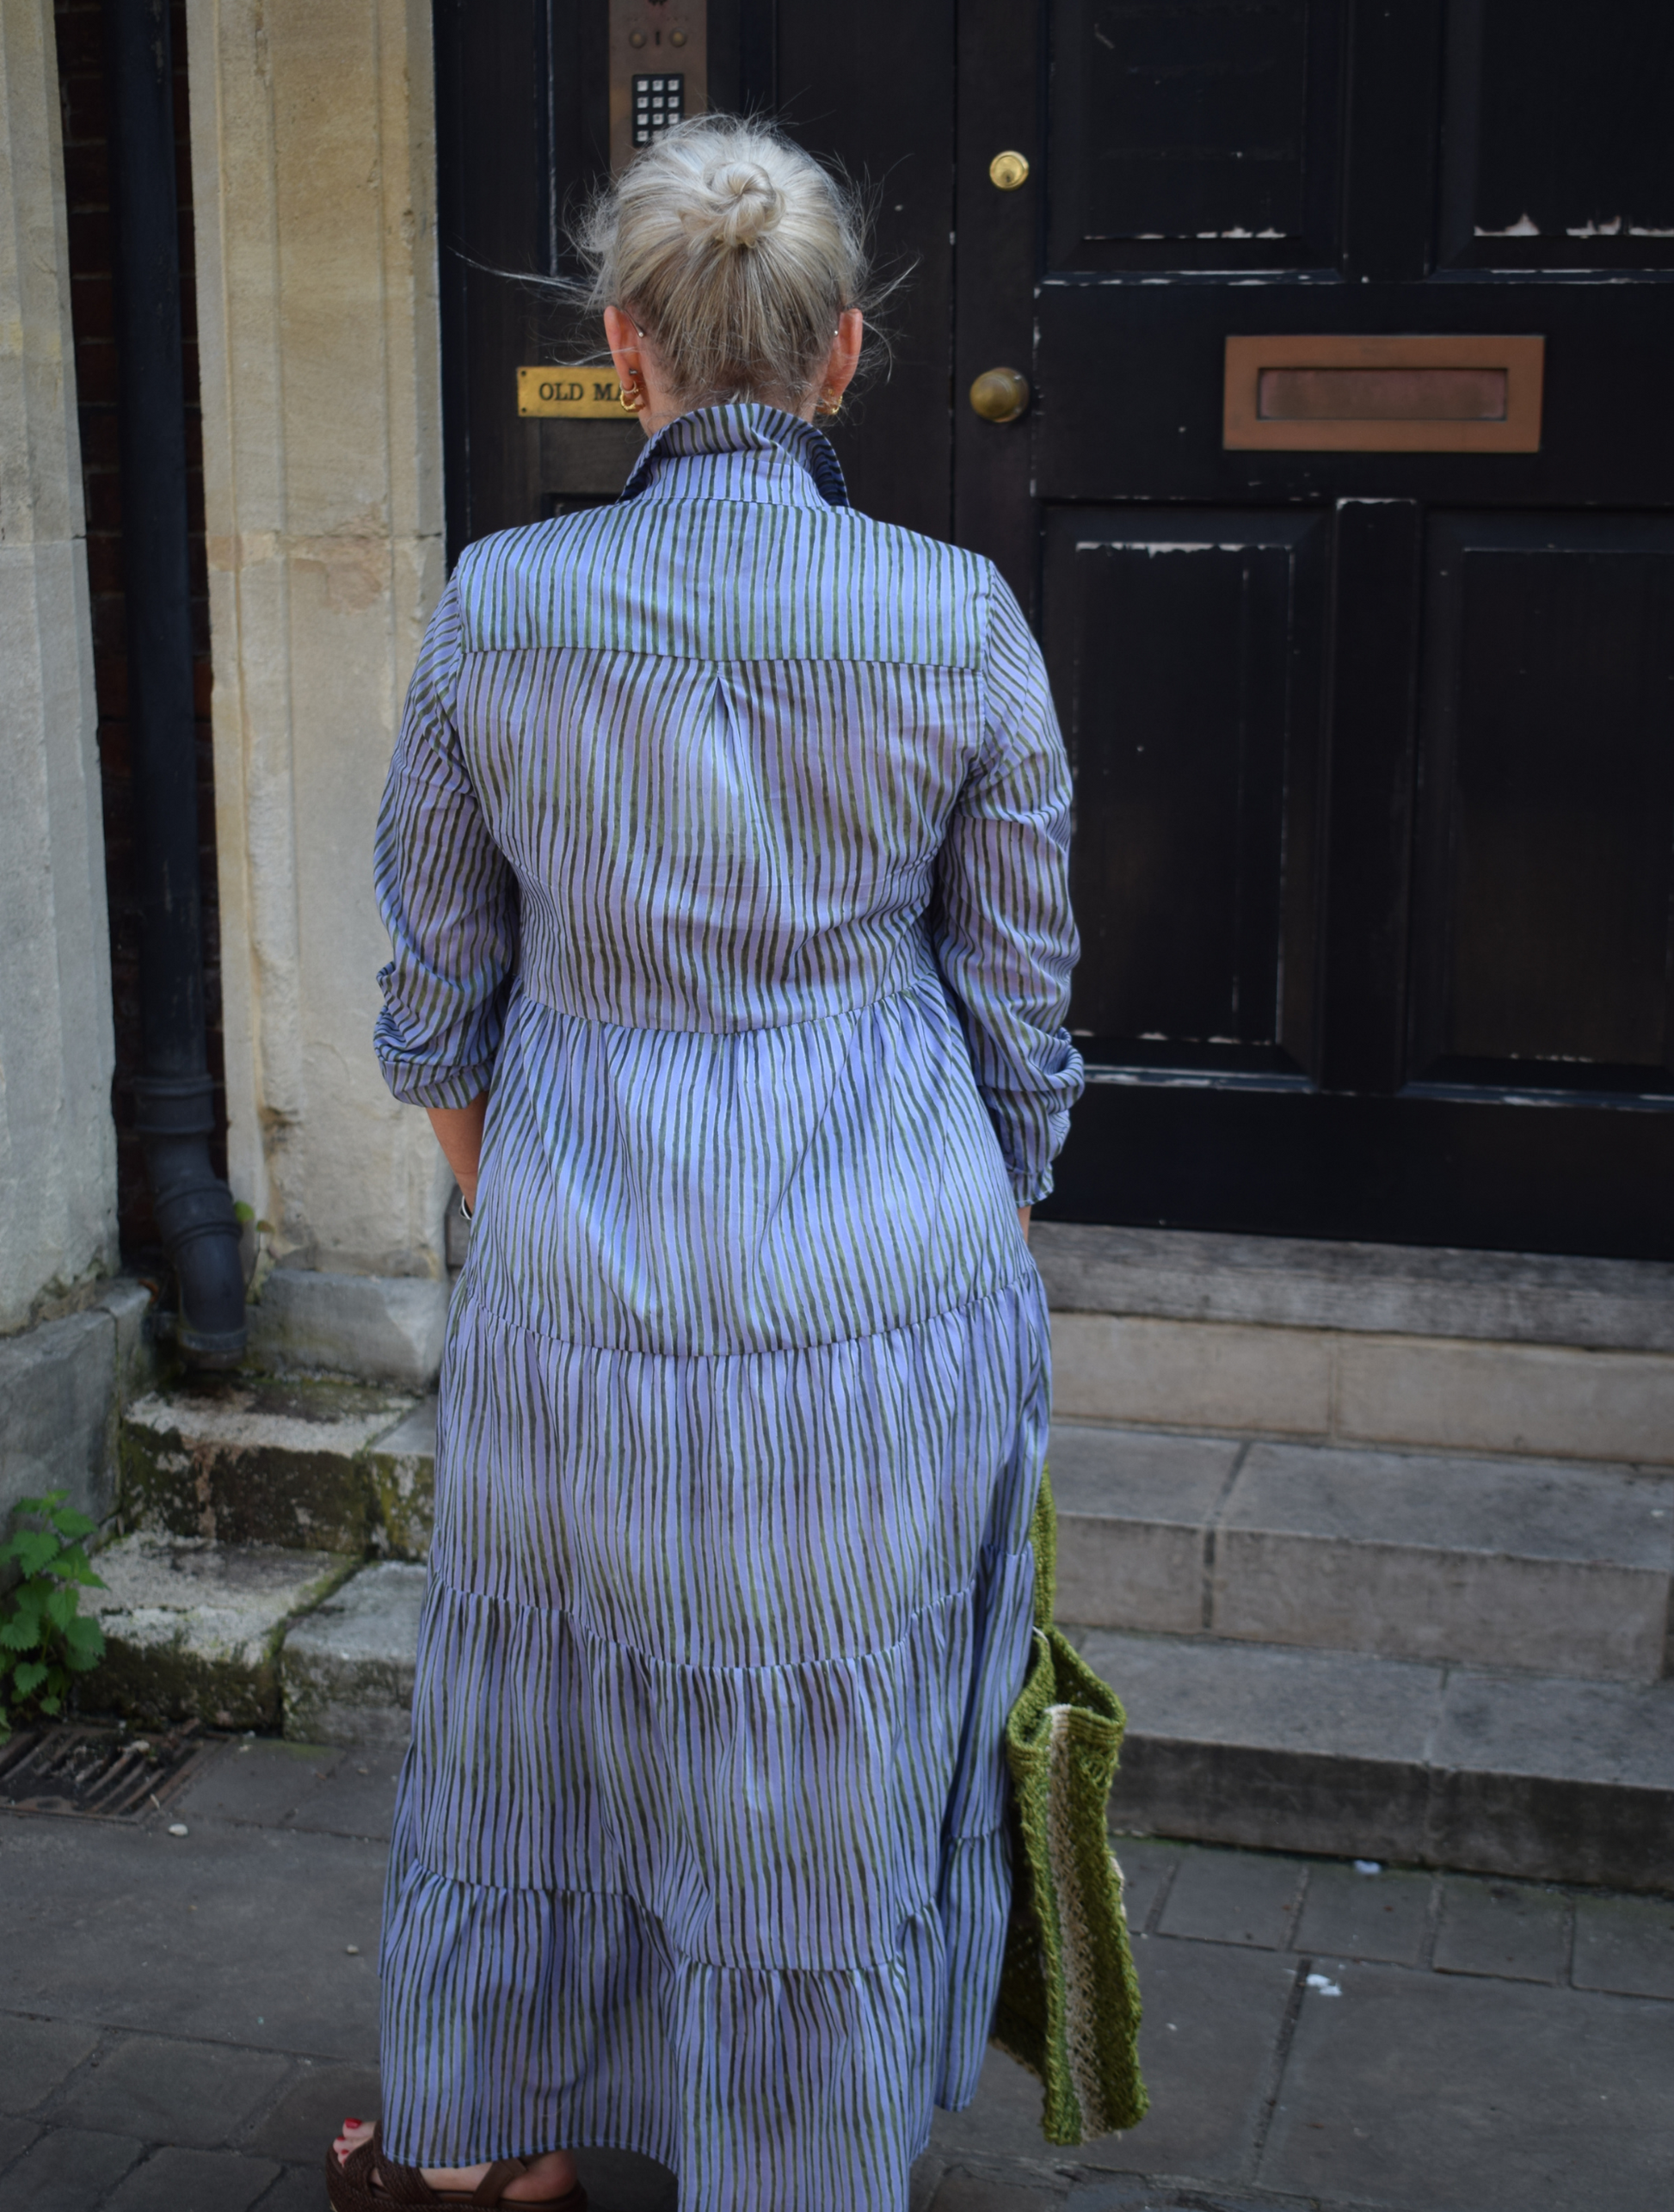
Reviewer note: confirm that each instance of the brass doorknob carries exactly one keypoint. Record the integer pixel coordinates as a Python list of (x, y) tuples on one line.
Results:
[(1008, 170), (999, 395)]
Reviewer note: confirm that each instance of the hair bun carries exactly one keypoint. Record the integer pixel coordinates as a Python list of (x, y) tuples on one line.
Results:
[(740, 205)]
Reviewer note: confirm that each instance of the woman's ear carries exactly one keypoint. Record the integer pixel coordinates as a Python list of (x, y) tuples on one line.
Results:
[(844, 356), (623, 338)]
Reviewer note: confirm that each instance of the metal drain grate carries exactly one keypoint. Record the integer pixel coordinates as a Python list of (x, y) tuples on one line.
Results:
[(101, 1772)]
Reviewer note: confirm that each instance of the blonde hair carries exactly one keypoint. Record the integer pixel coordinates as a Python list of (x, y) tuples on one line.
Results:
[(735, 252)]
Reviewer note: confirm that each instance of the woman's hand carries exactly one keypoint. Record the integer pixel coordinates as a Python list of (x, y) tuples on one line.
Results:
[(1023, 1214), (459, 1133)]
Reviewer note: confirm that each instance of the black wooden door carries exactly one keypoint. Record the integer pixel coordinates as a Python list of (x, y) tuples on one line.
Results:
[(1373, 749)]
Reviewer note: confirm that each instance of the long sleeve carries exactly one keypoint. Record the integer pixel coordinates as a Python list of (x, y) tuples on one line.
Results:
[(1004, 935), (448, 899)]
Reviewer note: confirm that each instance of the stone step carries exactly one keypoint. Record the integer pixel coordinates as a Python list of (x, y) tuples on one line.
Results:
[(1333, 1752), (320, 1465), (1559, 1567), (347, 1669), (1375, 1345), (194, 1629), (1349, 1756), (257, 1636)]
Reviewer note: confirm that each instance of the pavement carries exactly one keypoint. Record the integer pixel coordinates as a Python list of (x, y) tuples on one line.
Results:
[(184, 2020)]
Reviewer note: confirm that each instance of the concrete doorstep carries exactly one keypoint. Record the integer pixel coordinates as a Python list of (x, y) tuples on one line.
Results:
[(1335, 1752)]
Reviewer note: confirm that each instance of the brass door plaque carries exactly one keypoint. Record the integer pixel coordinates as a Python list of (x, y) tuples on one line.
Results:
[(659, 71), (574, 395), (1368, 395)]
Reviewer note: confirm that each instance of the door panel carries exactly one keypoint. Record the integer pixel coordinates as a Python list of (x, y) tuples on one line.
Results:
[(1187, 138), (1555, 154), (1547, 852), (1184, 649)]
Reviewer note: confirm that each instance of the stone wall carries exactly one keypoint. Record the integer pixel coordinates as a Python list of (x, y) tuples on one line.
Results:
[(313, 186), (58, 1168)]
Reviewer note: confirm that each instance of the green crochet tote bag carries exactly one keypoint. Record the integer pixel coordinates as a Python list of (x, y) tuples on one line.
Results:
[(1068, 2003)]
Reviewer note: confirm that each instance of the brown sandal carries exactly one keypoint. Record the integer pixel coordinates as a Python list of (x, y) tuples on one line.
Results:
[(350, 2186)]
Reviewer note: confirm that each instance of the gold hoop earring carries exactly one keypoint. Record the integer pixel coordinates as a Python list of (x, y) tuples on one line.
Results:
[(631, 395), (831, 402)]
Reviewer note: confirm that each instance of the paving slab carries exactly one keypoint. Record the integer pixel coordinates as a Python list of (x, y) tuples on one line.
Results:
[(15, 2137), (959, 2190), (68, 2169), (242, 1460), (1507, 1562), (192, 1627), (1236, 1897), (134, 2088), (1134, 1510), (1210, 2015), (623, 2181), (1625, 1944), (348, 1669), (1003, 2120), (298, 2189), (36, 2054), (355, 1799), (1504, 1928), (193, 2181), (1383, 1917), (1149, 1865), (259, 1781), (1452, 2095), (318, 2097), (224, 1936), (1213, 2015)]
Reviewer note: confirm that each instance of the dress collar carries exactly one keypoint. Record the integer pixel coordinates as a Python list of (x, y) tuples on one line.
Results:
[(752, 452)]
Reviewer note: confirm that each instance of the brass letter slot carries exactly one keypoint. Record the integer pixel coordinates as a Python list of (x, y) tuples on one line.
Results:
[(1424, 395), (575, 395)]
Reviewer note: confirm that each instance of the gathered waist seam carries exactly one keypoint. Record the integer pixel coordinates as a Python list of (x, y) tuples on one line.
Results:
[(467, 1294), (926, 982)]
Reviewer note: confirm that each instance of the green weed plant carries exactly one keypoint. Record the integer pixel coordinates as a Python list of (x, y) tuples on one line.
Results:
[(45, 1637)]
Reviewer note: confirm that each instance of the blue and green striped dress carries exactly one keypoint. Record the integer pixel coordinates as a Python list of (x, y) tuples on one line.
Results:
[(725, 839)]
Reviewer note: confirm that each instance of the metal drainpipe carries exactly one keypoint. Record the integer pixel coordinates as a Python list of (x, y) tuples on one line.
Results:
[(175, 1094)]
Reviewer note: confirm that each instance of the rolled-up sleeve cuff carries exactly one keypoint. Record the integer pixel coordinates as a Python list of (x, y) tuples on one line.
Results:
[(1028, 1190), (414, 1085)]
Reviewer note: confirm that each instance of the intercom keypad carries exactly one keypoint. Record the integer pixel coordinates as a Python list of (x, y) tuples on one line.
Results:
[(658, 102)]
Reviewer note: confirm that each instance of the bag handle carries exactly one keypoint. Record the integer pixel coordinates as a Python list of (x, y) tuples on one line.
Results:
[(1044, 1537)]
